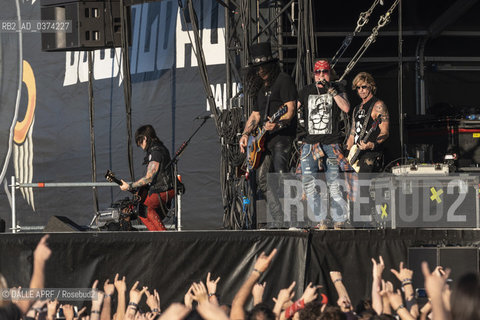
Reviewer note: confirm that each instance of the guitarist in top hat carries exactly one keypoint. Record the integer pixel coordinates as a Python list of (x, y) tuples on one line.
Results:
[(321, 104), (157, 180), (371, 113), (271, 89)]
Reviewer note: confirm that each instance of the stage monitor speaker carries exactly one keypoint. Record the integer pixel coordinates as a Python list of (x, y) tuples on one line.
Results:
[(460, 260), (2, 226), (81, 25), (62, 224)]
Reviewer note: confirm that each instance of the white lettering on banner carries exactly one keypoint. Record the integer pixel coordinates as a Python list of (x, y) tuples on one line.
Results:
[(219, 92), (106, 67), (154, 31), (214, 52)]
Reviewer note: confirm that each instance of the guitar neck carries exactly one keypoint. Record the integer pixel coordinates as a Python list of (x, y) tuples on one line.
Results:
[(116, 181)]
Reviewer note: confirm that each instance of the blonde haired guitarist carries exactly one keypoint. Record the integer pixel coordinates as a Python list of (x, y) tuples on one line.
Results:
[(370, 126)]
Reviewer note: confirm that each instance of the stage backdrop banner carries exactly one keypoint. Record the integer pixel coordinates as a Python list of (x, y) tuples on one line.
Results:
[(53, 143)]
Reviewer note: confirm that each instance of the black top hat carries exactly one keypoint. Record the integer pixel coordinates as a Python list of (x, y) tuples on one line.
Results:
[(261, 53)]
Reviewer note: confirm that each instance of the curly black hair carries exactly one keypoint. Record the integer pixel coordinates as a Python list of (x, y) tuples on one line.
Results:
[(253, 82)]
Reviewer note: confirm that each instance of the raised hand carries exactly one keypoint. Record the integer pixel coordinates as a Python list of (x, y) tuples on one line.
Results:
[(199, 292), (287, 293), (403, 274), (378, 268), (284, 296), (263, 261), (257, 292), (212, 284), (52, 309), (42, 251), (310, 293), (387, 287), (80, 312), (435, 281), (68, 311), (188, 298), (120, 284), (395, 299), (136, 295), (153, 301), (109, 288), (344, 304)]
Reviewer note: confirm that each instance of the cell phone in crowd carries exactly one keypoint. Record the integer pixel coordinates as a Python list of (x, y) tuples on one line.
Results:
[(420, 293)]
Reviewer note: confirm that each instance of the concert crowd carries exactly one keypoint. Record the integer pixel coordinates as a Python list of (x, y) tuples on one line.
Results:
[(387, 300)]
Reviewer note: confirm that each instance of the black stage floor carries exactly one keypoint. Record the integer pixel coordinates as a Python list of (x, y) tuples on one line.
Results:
[(171, 261)]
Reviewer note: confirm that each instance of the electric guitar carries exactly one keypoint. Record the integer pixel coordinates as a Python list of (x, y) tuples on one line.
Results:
[(255, 145), (355, 150), (139, 194)]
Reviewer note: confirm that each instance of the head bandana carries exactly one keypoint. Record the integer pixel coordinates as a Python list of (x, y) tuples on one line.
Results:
[(321, 65)]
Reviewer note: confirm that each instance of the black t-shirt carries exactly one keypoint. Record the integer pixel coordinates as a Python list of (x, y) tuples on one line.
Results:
[(10, 312), (282, 91), (359, 114), (321, 115), (163, 181)]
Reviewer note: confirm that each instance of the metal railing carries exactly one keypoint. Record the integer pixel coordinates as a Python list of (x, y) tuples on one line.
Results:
[(16, 185)]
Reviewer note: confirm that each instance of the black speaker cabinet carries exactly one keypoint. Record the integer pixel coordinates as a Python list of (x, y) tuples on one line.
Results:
[(93, 25), (2, 226), (62, 224), (460, 260)]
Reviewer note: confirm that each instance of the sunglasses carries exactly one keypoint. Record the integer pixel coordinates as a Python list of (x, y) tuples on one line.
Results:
[(321, 71), (362, 87)]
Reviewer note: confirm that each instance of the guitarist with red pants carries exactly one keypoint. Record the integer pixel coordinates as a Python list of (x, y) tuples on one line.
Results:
[(271, 90), (158, 178), (364, 116)]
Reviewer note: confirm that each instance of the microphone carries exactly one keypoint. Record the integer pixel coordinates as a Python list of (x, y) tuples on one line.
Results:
[(205, 117), (328, 84)]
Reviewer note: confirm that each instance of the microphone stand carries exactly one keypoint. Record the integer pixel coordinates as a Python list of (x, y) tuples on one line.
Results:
[(173, 162)]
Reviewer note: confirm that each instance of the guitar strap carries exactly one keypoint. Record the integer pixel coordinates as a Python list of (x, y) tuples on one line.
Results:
[(267, 107), (365, 121)]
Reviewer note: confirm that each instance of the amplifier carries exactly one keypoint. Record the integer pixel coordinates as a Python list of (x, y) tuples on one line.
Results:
[(421, 169)]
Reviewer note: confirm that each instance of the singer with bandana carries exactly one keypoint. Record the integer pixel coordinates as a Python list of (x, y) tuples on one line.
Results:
[(322, 104)]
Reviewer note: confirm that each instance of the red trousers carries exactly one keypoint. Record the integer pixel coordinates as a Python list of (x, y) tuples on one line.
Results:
[(152, 202)]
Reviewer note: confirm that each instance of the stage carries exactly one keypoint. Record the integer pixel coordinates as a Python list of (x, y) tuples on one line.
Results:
[(171, 261)]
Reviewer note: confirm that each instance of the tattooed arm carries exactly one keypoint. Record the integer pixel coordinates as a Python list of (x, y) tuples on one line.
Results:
[(152, 170), (380, 110), (251, 124)]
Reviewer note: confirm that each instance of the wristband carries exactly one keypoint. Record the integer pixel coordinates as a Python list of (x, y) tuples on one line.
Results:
[(133, 304), (338, 280), (95, 311), (211, 294), (156, 310), (245, 134), (407, 280), (259, 272), (406, 283), (297, 306), (130, 186), (399, 307), (109, 295)]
